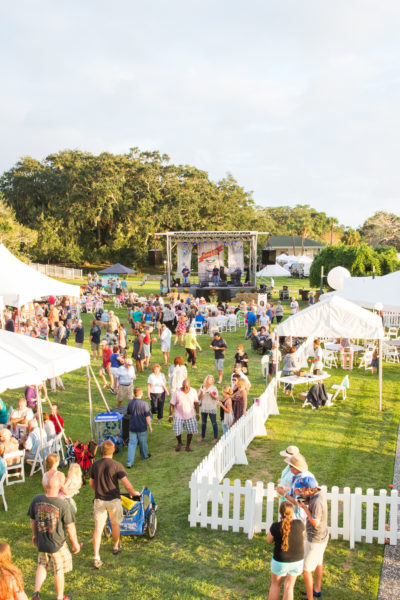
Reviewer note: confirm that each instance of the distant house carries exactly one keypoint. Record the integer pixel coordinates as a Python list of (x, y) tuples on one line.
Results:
[(294, 245)]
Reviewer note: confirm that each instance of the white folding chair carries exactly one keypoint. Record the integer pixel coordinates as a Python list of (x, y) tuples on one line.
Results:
[(17, 469), (57, 446), (231, 323), (393, 332), (117, 303), (89, 306), (365, 360), (198, 325), (38, 461), (264, 365), (222, 325), (391, 355), (330, 359), (2, 494), (343, 386)]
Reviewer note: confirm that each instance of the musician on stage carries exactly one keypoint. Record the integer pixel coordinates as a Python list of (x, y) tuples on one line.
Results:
[(185, 275)]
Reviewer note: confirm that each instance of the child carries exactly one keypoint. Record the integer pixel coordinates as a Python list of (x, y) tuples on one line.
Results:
[(72, 485), (226, 406), (52, 462), (374, 361)]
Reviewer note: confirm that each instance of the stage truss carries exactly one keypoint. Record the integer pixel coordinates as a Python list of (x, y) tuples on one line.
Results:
[(194, 237)]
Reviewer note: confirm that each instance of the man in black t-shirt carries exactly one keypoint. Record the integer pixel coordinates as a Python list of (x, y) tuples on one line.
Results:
[(219, 346), (105, 475), (49, 518)]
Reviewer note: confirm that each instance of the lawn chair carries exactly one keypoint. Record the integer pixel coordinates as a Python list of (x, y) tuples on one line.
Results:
[(38, 461), (365, 360), (231, 323), (198, 325), (58, 447), (2, 494), (343, 386), (240, 319), (330, 359), (117, 303), (391, 355), (15, 470), (264, 365), (393, 333)]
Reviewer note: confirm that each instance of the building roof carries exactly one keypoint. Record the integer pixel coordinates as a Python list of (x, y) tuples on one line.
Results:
[(286, 241)]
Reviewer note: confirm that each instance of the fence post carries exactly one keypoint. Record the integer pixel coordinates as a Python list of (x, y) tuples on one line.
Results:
[(346, 513), (352, 520), (334, 495), (249, 505), (369, 519), (258, 500), (357, 514), (215, 491), (382, 516), (193, 486), (226, 497), (236, 504), (393, 517)]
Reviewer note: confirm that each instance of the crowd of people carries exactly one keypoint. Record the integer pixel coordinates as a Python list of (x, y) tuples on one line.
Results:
[(124, 350)]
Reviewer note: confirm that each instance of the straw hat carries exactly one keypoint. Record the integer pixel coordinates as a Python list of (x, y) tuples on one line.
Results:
[(298, 462), (290, 451), (5, 435)]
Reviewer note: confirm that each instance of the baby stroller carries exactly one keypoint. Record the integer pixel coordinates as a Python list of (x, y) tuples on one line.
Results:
[(83, 454), (139, 515)]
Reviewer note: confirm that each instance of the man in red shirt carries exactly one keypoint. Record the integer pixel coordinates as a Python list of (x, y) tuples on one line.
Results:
[(106, 366), (56, 419)]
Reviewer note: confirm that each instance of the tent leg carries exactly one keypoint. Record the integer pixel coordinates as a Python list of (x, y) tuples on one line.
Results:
[(380, 374), (90, 402), (99, 388)]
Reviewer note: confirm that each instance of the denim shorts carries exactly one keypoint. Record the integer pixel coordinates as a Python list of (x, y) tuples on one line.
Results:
[(281, 569)]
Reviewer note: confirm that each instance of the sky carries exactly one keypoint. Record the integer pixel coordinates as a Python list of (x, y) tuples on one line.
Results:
[(298, 99)]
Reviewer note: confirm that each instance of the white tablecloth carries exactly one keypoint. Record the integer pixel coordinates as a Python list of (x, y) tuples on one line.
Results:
[(337, 347)]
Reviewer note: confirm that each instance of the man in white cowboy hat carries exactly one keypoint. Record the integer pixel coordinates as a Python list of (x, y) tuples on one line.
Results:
[(286, 475), (299, 468)]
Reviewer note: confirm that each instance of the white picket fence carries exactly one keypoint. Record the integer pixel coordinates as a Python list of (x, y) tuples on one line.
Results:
[(58, 271), (353, 516), (391, 319)]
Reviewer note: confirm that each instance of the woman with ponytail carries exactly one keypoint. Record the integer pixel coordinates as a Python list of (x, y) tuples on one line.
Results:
[(11, 582), (287, 561)]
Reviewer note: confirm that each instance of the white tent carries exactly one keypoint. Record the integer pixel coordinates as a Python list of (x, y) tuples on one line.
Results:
[(367, 292), (282, 257), (304, 260), (336, 317), (20, 283), (28, 361), (273, 271)]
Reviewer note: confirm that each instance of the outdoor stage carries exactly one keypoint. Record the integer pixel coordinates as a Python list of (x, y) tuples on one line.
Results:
[(229, 256)]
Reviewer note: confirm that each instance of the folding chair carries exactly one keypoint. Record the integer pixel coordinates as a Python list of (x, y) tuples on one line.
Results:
[(343, 386), (198, 325), (240, 319), (393, 332), (231, 323), (16, 470), (391, 355), (39, 458), (2, 494), (264, 365), (117, 303), (330, 359), (365, 360), (57, 446)]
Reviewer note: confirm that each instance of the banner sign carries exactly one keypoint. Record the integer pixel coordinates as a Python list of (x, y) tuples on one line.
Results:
[(235, 256), (211, 255), (184, 252)]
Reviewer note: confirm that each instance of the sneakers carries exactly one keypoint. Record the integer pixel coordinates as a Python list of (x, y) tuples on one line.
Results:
[(36, 596), (117, 550), (97, 563)]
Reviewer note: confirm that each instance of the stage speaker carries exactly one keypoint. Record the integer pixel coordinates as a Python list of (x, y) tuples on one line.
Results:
[(155, 257), (268, 257)]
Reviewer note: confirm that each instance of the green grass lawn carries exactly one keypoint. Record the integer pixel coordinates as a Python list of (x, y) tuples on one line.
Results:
[(350, 444)]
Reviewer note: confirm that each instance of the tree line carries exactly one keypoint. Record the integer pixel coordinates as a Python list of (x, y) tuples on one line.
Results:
[(76, 207)]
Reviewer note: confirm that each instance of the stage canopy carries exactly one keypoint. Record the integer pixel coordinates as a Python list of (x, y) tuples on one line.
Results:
[(117, 269), (273, 271), (368, 292), (334, 317), (20, 283), (30, 361)]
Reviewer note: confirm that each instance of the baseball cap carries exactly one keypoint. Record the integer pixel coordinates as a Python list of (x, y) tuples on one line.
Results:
[(308, 481)]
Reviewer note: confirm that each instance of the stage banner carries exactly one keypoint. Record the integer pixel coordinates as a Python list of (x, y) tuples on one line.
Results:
[(184, 252), (235, 256), (211, 254)]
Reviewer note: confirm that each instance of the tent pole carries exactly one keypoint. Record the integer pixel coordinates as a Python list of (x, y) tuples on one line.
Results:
[(100, 390), (90, 402), (380, 358), (40, 415)]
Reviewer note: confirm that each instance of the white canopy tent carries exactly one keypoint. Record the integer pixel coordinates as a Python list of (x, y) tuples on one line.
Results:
[(336, 317), (20, 283), (273, 271), (367, 292), (30, 361)]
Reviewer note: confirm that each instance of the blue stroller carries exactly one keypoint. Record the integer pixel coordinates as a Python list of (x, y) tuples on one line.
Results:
[(139, 515)]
